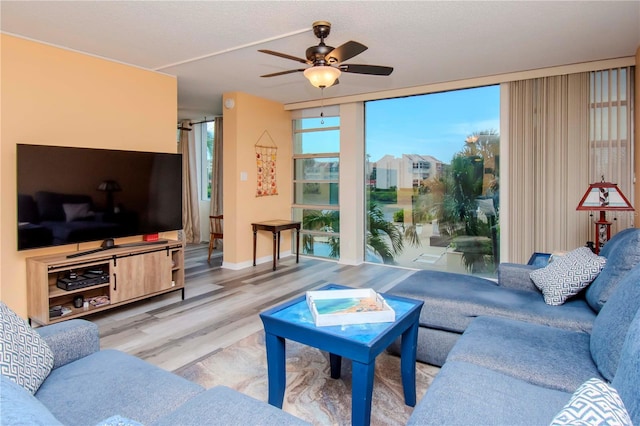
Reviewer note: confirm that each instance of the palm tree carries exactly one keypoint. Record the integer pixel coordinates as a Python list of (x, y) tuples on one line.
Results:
[(383, 237), (381, 232), (321, 220)]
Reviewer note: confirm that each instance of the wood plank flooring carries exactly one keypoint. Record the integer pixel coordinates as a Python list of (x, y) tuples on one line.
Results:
[(221, 306)]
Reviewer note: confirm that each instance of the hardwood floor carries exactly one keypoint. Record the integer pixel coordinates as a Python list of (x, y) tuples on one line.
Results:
[(221, 306)]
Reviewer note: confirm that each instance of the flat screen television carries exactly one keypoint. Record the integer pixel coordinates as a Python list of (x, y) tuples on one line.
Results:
[(71, 195)]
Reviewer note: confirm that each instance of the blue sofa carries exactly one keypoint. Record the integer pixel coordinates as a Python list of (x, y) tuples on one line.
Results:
[(453, 301), (508, 358), (503, 371), (89, 386)]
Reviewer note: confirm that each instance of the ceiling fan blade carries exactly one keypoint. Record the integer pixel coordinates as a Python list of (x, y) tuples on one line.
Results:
[(282, 73), (366, 69), (345, 52), (284, 55)]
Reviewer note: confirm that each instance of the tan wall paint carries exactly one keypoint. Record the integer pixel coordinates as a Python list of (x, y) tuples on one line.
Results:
[(52, 96), (244, 126)]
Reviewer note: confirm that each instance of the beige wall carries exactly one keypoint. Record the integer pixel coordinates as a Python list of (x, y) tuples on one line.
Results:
[(244, 125), (52, 96)]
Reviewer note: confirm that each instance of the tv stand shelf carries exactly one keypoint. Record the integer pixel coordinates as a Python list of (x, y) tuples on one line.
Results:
[(134, 272)]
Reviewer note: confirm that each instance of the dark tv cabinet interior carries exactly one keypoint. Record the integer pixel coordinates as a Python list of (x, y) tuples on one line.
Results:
[(120, 275)]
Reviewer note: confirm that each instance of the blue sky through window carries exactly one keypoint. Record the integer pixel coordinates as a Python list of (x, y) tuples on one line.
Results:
[(435, 124)]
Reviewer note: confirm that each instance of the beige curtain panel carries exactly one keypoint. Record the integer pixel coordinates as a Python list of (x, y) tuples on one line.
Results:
[(565, 132), (190, 211)]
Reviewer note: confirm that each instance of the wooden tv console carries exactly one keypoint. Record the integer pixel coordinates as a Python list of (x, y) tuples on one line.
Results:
[(126, 274)]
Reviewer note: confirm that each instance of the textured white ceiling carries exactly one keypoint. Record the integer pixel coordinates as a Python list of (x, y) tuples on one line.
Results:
[(211, 46)]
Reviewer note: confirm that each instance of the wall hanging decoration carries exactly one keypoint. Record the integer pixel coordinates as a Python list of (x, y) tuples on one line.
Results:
[(266, 153)]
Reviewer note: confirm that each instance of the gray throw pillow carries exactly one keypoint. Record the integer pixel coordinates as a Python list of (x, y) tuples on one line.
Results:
[(25, 357), (567, 275)]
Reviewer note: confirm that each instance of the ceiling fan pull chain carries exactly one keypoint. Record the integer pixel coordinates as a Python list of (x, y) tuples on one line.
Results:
[(322, 105)]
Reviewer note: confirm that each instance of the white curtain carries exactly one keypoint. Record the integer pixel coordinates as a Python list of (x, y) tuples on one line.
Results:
[(216, 169), (190, 211)]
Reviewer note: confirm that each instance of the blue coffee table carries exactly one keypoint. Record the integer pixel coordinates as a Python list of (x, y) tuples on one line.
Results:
[(359, 342)]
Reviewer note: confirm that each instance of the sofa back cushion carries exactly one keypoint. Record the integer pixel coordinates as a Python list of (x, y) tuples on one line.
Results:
[(25, 357), (611, 325), (628, 374), (27, 209), (622, 253)]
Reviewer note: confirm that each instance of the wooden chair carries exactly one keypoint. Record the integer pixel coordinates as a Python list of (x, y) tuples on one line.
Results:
[(215, 232)]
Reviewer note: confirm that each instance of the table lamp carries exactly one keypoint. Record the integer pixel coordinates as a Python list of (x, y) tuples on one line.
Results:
[(603, 196)]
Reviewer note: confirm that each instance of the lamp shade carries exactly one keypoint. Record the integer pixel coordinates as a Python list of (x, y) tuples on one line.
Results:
[(604, 196), (322, 75), (109, 186)]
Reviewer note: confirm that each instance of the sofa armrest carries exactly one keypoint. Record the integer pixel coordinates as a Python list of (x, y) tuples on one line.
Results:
[(70, 340), (516, 275)]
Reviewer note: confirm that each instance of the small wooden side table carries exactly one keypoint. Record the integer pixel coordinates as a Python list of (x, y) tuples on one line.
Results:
[(275, 226)]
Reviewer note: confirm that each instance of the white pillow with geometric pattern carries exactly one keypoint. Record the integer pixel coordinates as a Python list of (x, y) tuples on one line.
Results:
[(25, 357), (594, 403), (567, 275)]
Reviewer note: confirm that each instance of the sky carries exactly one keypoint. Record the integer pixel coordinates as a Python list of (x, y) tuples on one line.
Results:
[(435, 124)]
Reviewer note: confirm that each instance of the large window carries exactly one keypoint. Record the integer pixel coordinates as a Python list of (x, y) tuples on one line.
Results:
[(204, 143), (432, 165), (316, 157), (610, 132)]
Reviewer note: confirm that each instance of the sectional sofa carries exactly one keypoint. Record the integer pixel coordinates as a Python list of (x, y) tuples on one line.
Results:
[(508, 372), (452, 301), (509, 356), (57, 375)]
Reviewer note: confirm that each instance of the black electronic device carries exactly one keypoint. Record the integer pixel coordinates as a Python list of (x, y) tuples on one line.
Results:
[(69, 195), (82, 281), (55, 311)]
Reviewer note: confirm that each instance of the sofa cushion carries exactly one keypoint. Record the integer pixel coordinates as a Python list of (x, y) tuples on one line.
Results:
[(224, 406), (622, 253), (467, 394), (452, 301), (109, 383), (19, 407), (27, 209), (567, 275), (611, 326), (24, 356), (541, 355), (594, 402), (628, 373)]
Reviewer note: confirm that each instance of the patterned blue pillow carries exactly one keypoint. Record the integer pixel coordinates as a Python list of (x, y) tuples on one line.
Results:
[(594, 403), (567, 275), (25, 357)]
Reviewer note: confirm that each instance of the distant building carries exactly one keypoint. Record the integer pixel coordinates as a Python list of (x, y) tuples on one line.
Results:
[(405, 172)]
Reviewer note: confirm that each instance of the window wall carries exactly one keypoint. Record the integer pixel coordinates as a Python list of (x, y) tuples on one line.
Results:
[(204, 143), (432, 180), (316, 157)]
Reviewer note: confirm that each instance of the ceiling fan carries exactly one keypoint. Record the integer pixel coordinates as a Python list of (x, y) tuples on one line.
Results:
[(326, 61)]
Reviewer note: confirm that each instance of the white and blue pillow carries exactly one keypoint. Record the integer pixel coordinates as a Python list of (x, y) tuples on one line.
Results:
[(25, 357), (567, 275), (594, 403)]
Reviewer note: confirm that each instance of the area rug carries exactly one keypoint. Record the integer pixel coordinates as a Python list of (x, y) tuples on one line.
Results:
[(311, 393)]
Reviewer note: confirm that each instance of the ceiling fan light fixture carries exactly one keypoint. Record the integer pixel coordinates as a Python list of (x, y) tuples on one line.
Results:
[(322, 75)]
